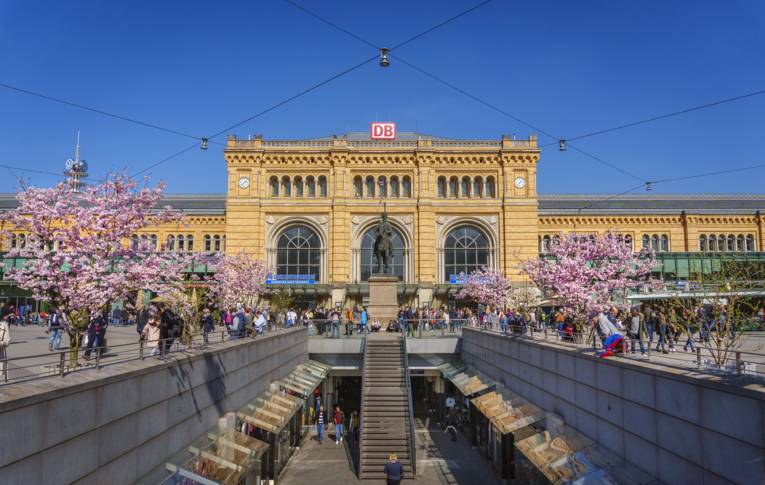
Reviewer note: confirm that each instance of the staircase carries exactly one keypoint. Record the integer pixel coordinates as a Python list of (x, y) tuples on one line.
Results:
[(386, 422)]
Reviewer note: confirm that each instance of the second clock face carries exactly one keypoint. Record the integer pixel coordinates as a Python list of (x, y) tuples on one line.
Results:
[(244, 182), (520, 182)]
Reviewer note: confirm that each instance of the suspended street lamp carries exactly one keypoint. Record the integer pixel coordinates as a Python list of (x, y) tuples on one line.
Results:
[(562, 145), (384, 61), (203, 144)]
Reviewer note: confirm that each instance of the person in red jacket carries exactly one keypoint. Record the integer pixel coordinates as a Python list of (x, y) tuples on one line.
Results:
[(339, 419)]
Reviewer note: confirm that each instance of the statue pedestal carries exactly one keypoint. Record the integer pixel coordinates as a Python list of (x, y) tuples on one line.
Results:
[(383, 298)]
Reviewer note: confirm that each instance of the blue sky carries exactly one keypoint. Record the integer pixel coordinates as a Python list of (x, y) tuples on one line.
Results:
[(567, 67)]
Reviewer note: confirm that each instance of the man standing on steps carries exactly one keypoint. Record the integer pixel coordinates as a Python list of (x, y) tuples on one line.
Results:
[(394, 470), (338, 418), (321, 418)]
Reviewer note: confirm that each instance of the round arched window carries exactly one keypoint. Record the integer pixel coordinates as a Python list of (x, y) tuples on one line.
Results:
[(298, 252), (466, 249), (369, 260)]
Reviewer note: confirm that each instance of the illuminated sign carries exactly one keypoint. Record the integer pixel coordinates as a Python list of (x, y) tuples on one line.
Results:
[(382, 131)]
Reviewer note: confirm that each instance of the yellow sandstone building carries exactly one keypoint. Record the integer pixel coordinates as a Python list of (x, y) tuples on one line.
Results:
[(308, 208)]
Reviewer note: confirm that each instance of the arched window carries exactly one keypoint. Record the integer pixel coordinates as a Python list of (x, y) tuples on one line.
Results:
[(466, 249), (721, 246), (13, 241), (322, 186), (453, 187), (298, 184), (545, 245), (180, 240), (489, 192), (189, 242), (298, 252), (310, 183), (370, 186), (208, 243), (369, 260), (442, 187), (712, 242), (216, 243), (358, 186), (154, 242), (286, 187), (406, 185), (478, 187), (628, 242), (22, 241), (731, 242), (465, 188), (274, 183), (749, 242), (703, 243), (664, 243), (383, 183), (655, 242), (170, 243), (134, 240), (646, 241), (395, 190), (740, 243)]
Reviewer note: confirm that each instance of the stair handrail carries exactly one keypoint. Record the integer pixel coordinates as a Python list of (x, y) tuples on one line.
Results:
[(412, 441), (361, 404)]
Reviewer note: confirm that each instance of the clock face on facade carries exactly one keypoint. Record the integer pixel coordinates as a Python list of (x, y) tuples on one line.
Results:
[(244, 182), (520, 182)]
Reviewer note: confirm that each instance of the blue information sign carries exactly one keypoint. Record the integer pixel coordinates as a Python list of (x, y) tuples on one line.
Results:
[(458, 279), (291, 279)]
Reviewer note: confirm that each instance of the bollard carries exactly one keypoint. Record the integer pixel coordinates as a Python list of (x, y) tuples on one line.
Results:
[(222, 335), (649, 350), (738, 362), (698, 357), (624, 347), (61, 363), (140, 349), (98, 357)]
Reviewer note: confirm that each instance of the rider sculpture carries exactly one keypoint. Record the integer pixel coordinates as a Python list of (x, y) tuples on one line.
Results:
[(383, 247)]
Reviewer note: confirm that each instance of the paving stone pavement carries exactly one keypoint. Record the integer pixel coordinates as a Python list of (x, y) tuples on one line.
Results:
[(439, 462)]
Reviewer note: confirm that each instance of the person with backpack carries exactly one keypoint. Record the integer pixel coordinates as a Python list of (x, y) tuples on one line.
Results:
[(55, 327), (394, 470)]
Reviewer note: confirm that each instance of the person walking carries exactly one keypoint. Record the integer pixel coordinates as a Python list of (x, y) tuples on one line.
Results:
[(335, 323), (150, 332), (321, 418), (5, 339), (207, 325), (394, 470), (55, 327), (339, 419)]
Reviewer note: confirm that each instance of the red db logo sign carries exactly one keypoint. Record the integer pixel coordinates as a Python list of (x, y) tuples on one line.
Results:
[(382, 131)]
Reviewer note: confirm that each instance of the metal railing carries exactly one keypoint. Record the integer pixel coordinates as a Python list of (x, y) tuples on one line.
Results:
[(728, 359), (420, 328), (412, 431), (57, 363)]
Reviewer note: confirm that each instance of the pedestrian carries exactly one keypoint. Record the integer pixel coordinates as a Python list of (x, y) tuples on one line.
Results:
[(637, 331), (55, 327), (339, 419), (150, 332), (321, 418), (335, 324), (5, 339), (353, 423), (363, 320), (95, 330), (394, 470), (207, 325)]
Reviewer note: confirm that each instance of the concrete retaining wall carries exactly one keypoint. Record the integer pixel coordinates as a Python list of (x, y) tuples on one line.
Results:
[(680, 428), (115, 425)]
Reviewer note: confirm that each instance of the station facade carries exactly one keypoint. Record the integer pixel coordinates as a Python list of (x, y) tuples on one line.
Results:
[(308, 209)]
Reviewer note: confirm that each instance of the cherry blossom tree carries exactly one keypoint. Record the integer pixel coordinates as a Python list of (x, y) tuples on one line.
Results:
[(237, 278), (486, 286), (78, 252), (588, 273)]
